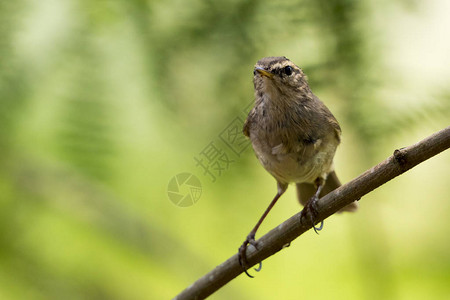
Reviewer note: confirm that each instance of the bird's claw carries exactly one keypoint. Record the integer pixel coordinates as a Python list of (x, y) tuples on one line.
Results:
[(310, 211), (242, 254)]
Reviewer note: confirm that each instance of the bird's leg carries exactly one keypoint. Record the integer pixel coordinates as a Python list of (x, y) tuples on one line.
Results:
[(310, 210), (250, 240)]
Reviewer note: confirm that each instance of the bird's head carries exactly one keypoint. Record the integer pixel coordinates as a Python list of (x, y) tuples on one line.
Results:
[(279, 78)]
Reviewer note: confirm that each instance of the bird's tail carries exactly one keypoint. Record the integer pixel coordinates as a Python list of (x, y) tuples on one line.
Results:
[(306, 190)]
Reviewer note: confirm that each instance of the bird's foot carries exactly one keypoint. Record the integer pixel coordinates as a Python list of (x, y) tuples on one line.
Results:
[(242, 254), (310, 213)]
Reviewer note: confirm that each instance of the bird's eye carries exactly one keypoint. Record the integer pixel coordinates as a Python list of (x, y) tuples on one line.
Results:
[(288, 70)]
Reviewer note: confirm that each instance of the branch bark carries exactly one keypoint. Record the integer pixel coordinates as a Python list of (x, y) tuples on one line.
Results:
[(401, 161)]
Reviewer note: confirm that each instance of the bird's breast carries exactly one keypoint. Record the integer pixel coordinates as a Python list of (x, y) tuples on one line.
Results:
[(290, 155)]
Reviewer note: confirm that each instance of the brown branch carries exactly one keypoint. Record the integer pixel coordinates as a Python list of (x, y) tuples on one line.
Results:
[(401, 161)]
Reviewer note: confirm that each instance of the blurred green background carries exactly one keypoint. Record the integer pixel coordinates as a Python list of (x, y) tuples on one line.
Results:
[(103, 102)]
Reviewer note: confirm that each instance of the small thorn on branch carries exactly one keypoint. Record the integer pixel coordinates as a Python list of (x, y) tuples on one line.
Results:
[(401, 159)]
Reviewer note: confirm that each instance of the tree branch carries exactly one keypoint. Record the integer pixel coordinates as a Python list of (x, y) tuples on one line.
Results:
[(401, 161)]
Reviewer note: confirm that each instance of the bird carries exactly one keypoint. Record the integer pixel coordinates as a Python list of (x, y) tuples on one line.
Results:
[(294, 136)]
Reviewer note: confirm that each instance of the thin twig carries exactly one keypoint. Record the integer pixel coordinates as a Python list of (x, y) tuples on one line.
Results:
[(401, 161)]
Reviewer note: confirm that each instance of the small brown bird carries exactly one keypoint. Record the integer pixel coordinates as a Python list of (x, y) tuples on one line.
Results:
[(294, 136)]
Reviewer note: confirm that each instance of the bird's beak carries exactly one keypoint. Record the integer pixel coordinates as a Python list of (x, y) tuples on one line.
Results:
[(263, 72)]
